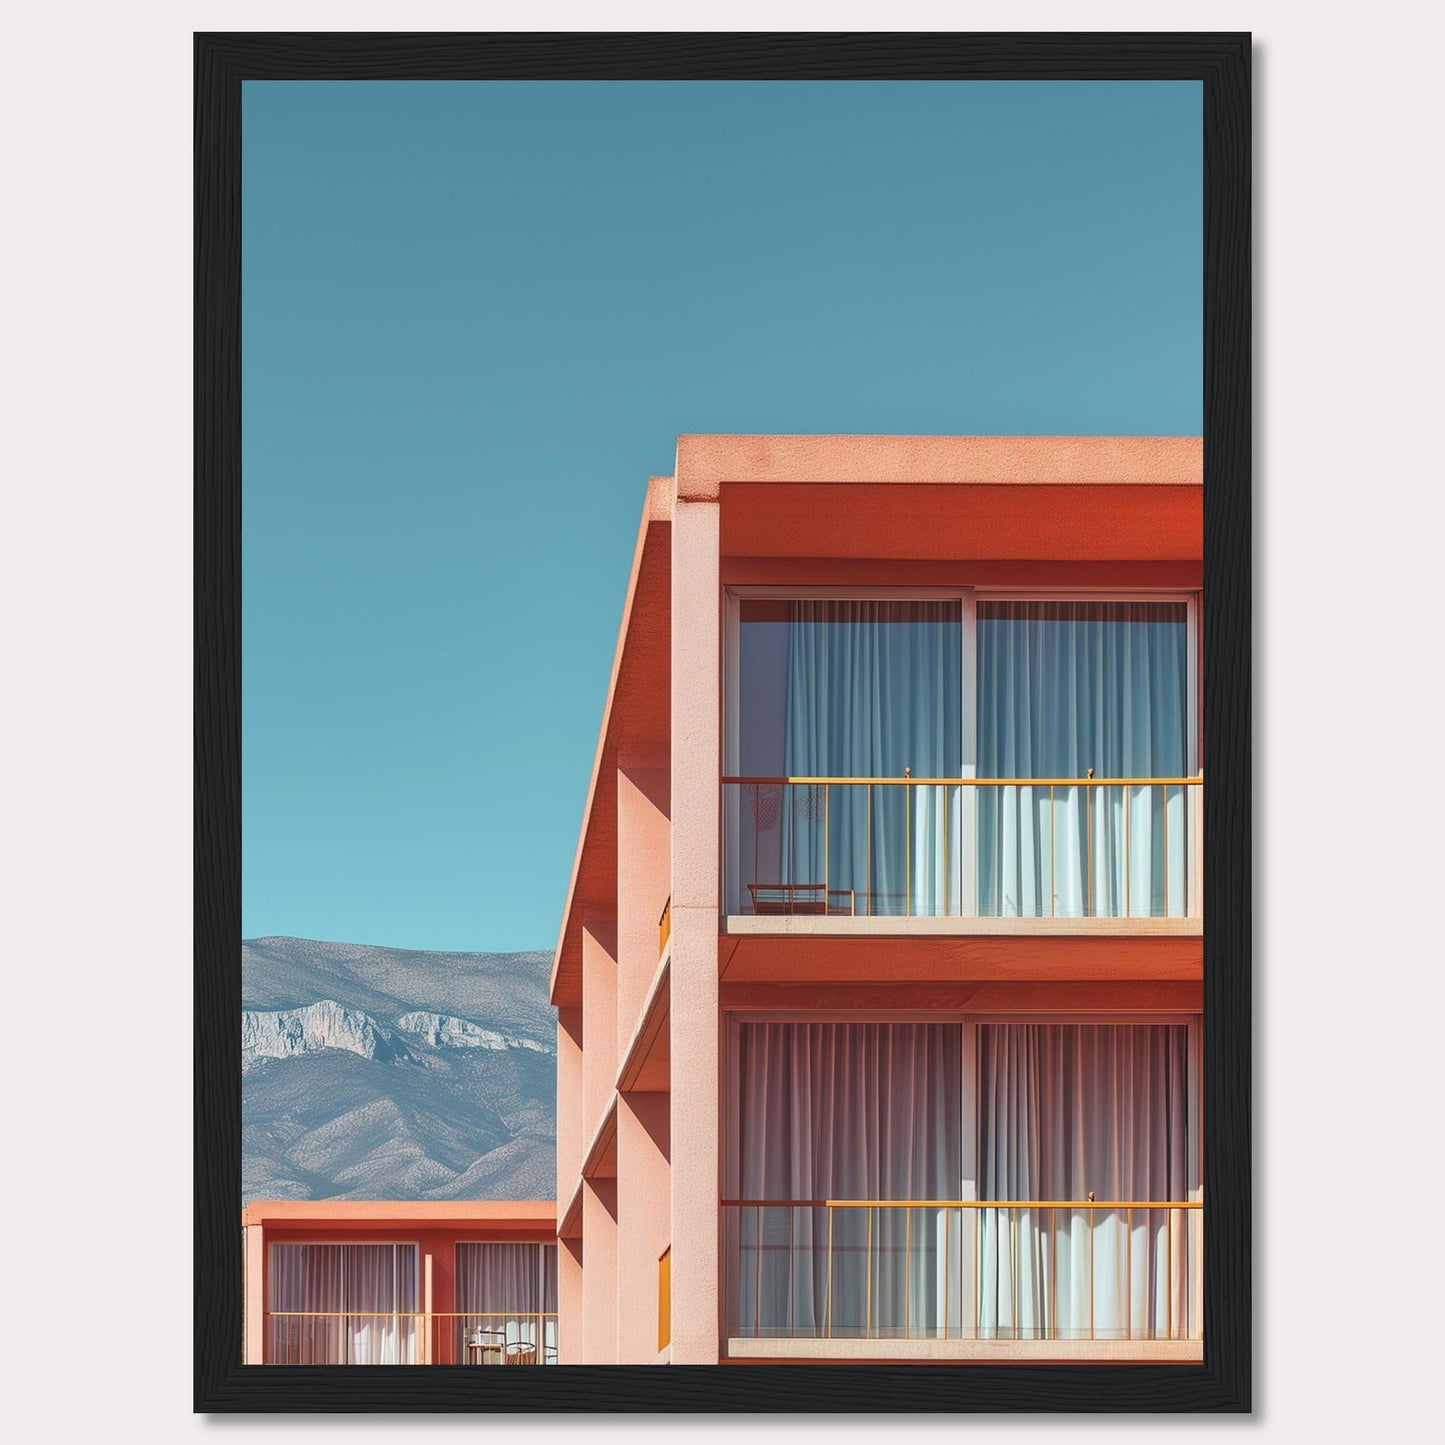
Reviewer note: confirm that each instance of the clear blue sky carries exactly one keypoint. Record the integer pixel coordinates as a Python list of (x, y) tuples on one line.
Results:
[(470, 306)]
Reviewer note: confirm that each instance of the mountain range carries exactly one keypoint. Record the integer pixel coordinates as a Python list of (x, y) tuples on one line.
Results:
[(387, 1073)]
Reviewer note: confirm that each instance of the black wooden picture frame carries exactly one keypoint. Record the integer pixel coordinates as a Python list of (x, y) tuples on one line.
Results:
[(1221, 61)]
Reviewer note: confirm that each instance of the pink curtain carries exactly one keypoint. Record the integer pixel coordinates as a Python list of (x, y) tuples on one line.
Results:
[(343, 1304), (509, 1289), (879, 1112), (843, 1111), (1066, 1110)]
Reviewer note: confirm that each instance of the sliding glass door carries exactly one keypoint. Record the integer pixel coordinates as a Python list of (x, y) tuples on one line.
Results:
[(847, 690), (961, 1180), (507, 1303), (1074, 1113), (1073, 691), (848, 719), (854, 1112), (343, 1304)]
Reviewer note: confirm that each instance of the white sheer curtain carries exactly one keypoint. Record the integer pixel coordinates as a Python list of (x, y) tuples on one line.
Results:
[(343, 1304), (873, 688), (512, 1289), (1064, 687), (844, 1111), (1066, 1110)]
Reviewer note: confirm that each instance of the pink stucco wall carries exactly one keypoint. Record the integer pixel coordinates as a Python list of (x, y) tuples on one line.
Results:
[(643, 877), (599, 1027), (599, 1274), (644, 1226), (570, 1142), (569, 1302), (696, 758)]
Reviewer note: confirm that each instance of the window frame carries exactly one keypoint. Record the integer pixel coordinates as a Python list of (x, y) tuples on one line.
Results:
[(416, 1310), (969, 598), (969, 1021)]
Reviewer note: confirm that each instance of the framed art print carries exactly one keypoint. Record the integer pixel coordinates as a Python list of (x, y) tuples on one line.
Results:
[(722, 722)]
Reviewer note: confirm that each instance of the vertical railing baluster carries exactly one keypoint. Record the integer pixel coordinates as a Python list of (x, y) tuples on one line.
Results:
[(868, 1287), (827, 843), (947, 873), (1088, 854), (1091, 1272), (757, 814), (1054, 1230), (830, 1271), (1127, 810), (998, 802), (947, 1251), (1129, 1274), (1169, 1273), (907, 1274), (908, 849), (1013, 1284), (757, 1268), (977, 1270), (1167, 903), (961, 1323), (870, 850), (1053, 889)]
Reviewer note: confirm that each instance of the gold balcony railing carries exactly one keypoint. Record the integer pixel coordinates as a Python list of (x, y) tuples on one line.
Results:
[(929, 1269), (664, 927), (410, 1337), (972, 847)]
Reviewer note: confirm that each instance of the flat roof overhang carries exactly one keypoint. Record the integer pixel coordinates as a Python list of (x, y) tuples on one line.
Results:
[(1075, 499), (636, 714)]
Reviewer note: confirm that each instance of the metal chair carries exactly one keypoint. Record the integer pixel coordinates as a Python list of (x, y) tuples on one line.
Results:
[(482, 1343)]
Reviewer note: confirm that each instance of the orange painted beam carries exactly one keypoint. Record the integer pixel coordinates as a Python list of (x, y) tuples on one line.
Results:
[(944, 572), (1122, 996), (1065, 523), (923, 958)]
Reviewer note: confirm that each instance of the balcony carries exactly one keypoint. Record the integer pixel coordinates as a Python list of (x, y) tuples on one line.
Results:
[(964, 1279), (991, 854), (406, 1337)]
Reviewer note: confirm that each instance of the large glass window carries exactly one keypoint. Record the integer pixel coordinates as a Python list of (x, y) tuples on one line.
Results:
[(507, 1303), (1077, 690), (343, 1304), (848, 690), (850, 718), (842, 1111), (859, 1148), (1072, 1113)]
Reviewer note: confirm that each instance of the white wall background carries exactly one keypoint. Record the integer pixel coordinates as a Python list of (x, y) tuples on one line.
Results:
[(95, 558)]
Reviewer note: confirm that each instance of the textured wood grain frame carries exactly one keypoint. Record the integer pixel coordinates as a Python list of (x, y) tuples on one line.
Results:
[(1222, 63)]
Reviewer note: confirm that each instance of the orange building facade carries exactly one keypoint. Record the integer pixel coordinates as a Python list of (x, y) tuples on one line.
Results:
[(342, 1282), (879, 977)]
